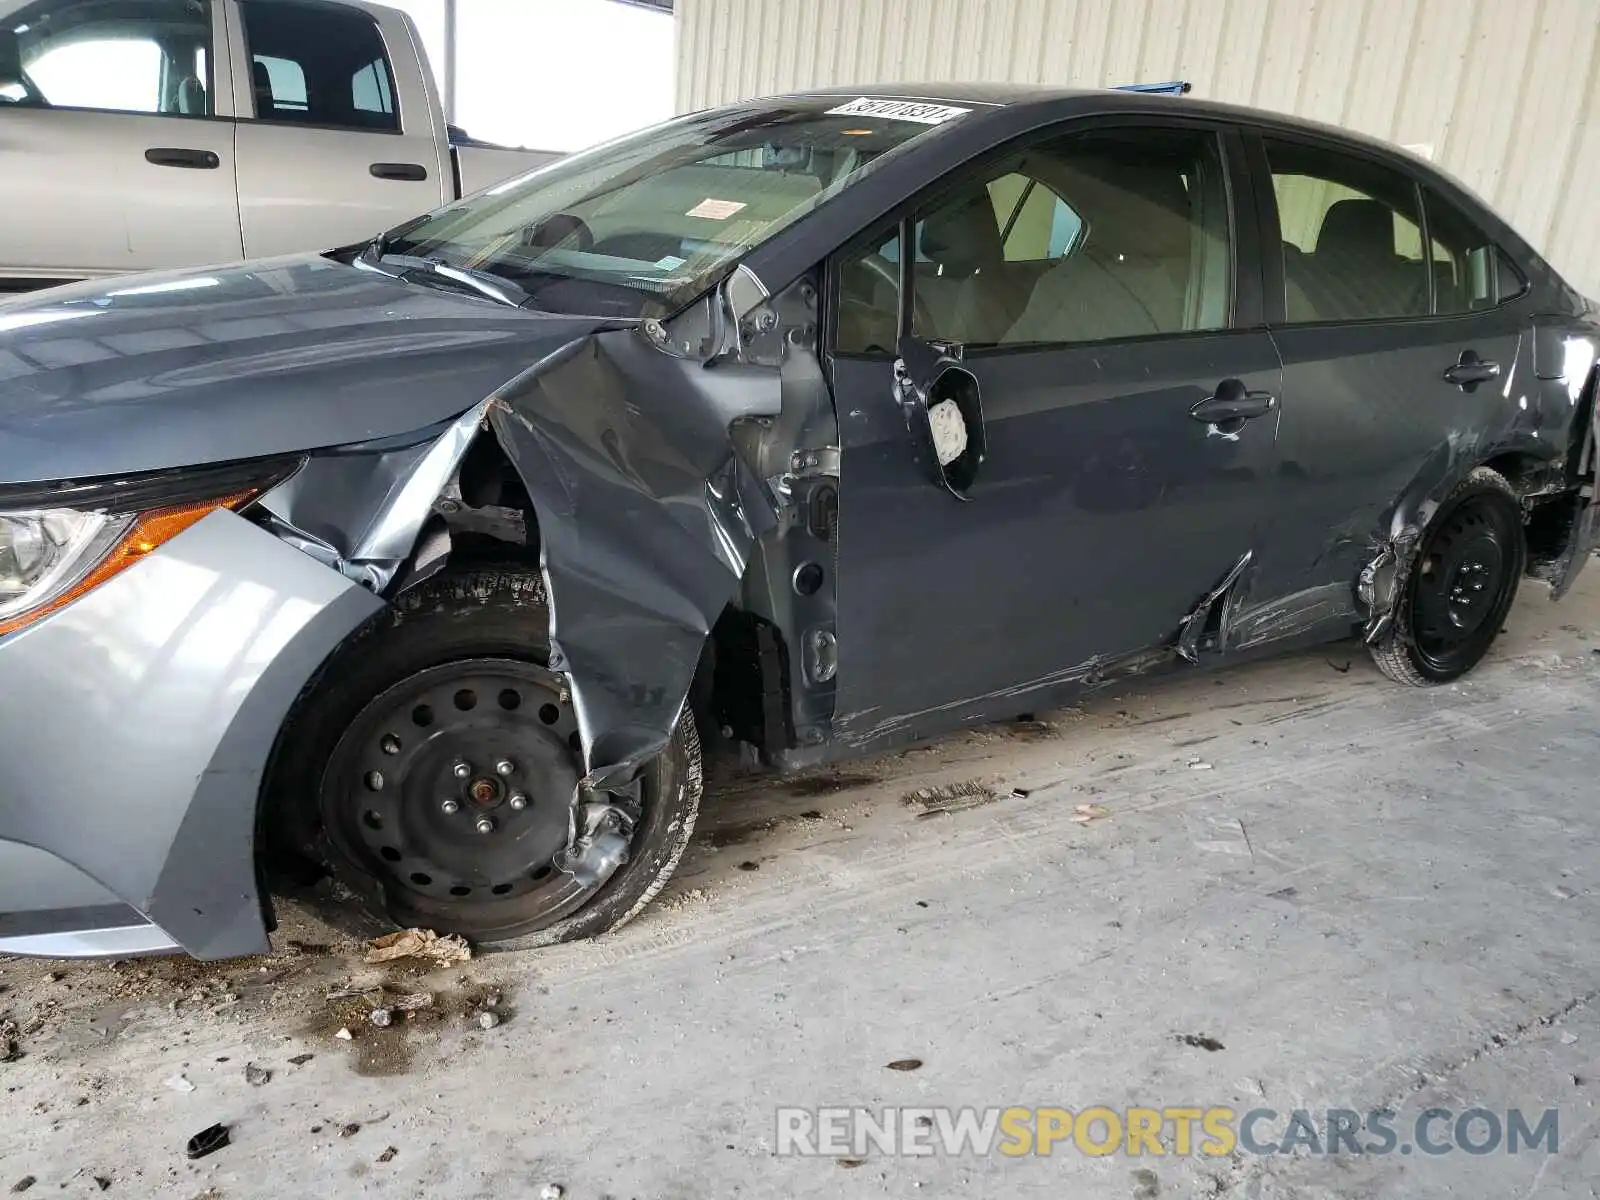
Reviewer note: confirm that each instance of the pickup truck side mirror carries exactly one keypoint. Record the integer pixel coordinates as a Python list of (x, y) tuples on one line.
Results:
[(944, 413)]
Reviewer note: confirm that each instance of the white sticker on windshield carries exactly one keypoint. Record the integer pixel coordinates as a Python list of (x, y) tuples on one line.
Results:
[(671, 262), (899, 110), (715, 210)]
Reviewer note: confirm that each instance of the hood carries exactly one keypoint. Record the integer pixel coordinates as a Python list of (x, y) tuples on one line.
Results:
[(207, 365)]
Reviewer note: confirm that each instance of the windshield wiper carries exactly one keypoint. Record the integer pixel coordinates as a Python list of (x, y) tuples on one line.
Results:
[(485, 283)]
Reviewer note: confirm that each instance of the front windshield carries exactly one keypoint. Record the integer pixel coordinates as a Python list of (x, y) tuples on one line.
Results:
[(640, 226)]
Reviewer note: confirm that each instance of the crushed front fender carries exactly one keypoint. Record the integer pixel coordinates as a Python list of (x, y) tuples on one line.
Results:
[(647, 516)]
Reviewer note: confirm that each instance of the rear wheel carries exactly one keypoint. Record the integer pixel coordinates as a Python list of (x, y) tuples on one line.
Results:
[(434, 767), (1461, 585)]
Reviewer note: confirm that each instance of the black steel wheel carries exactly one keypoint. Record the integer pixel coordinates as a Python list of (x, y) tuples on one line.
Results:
[(1461, 586), (434, 768)]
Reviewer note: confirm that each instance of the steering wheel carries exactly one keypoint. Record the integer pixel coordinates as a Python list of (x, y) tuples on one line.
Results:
[(889, 273)]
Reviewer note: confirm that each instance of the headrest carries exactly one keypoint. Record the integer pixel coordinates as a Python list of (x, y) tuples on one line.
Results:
[(1139, 210), (1358, 228), (192, 97), (962, 236)]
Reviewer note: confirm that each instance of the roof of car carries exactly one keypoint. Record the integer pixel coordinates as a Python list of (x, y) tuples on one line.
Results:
[(1010, 95)]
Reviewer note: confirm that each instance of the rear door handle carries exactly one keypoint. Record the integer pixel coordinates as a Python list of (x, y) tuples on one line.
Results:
[(1470, 371), (409, 172), (1232, 404), (177, 156)]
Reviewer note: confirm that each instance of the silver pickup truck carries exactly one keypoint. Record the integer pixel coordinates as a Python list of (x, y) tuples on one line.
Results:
[(140, 134)]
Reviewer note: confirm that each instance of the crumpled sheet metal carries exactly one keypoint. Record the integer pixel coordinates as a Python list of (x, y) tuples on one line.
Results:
[(646, 516), (360, 510)]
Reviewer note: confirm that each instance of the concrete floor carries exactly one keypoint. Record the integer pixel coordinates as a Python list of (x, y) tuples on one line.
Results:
[(1369, 896)]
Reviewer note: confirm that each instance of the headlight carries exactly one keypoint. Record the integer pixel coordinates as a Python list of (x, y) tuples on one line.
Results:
[(51, 556), (46, 551)]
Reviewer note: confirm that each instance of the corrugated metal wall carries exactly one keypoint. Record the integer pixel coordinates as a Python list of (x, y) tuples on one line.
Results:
[(1504, 93)]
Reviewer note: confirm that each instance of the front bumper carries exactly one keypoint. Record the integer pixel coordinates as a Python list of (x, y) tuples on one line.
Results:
[(136, 726)]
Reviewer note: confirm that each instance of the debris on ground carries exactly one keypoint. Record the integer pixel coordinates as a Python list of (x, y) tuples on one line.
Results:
[(749, 864), (300, 1060), (381, 1017), (412, 1002), (344, 1035), (350, 1129), (905, 1064), (552, 1191), (949, 797), (102, 1182), (354, 993), (23, 1184), (179, 1083), (256, 1076), (1201, 1041), (208, 1141), (1084, 813), (1199, 764), (388, 1154), (419, 943), (10, 1047), (488, 1019)]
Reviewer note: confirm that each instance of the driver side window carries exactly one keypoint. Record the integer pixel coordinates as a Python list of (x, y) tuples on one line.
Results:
[(149, 57)]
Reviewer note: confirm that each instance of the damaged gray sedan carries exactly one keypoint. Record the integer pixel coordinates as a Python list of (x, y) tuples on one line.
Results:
[(802, 428)]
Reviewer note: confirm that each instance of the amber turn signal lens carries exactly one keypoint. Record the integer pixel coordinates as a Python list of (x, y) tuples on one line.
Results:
[(152, 529)]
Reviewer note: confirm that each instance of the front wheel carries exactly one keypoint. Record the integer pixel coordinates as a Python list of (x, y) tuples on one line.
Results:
[(433, 769), (1460, 587)]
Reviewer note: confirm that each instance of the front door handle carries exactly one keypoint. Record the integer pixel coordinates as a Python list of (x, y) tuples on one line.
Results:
[(1233, 404), (1470, 371), (409, 172), (178, 156)]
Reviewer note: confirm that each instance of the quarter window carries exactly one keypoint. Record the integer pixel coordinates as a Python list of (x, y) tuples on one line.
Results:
[(148, 57), (1470, 272), (1087, 238), (1352, 237), (318, 64)]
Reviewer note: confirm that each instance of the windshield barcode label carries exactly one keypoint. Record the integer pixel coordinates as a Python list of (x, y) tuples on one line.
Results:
[(899, 110)]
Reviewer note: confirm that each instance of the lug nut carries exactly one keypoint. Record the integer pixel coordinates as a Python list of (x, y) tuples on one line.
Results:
[(390, 744), (505, 766), (449, 807), (462, 769), (518, 801), (485, 825)]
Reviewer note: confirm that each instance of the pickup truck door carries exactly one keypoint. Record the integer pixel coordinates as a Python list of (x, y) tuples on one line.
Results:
[(340, 134), (116, 144)]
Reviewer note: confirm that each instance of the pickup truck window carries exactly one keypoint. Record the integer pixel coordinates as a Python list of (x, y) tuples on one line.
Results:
[(642, 225), (139, 58), (318, 64)]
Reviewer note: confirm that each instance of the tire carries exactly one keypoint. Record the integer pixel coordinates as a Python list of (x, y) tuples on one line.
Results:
[(1460, 587), (484, 633)]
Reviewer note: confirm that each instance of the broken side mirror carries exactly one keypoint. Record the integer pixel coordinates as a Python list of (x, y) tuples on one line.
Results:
[(943, 409)]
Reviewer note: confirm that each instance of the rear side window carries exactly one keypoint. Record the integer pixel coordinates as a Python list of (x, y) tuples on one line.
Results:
[(318, 64), (1352, 236), (1470, 272)]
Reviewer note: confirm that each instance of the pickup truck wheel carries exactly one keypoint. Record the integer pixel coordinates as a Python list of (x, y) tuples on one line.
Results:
[(1461, 585), (434, 769)]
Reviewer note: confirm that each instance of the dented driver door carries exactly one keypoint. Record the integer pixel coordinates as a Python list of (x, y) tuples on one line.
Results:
[(1075, 446)]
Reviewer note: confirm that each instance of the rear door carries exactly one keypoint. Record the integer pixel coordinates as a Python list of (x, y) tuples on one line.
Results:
[(116, 148), (1392, 354), (336, 136), (1103, 292)]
